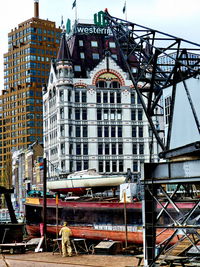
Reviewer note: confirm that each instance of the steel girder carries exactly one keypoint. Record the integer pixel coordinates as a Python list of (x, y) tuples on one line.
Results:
[(181, 218)]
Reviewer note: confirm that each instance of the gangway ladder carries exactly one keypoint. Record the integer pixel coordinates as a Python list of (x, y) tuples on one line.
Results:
[(184, 244)]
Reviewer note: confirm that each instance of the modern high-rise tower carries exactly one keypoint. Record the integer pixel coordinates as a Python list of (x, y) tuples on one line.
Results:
[(31, 46)]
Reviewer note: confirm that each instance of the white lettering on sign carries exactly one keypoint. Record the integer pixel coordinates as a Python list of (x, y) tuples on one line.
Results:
[(92, 30)]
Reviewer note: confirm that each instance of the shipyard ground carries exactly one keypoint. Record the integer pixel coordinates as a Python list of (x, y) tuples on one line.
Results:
[(48, 259)]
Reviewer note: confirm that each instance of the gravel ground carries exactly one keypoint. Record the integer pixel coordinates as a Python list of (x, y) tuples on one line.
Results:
[(48, 259)]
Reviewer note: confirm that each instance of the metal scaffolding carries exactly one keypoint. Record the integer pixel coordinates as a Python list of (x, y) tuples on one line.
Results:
[(141, 49)]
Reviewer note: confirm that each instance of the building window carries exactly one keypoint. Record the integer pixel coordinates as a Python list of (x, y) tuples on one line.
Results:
[(62, 113), (105, 114), (140, 113), (63, 165), (140, 133), (85, 149), (98, 97), (133, 69), (100, 166), (94, 44), (69, 95), (141, 149), (121, 166), (78, 131), (115, 84), (84, 114), (112, 114), (85, 164), (119, 114), (112, 98), (114, 56), (77, 68), (78, 149), (106, 131), (134, 131), (70, 130), (77, 97), (114, 149), (105, 97), (135, 166), (61, 96), (132, 98), (82, 55), (71, 166), (112, 45), (133, 115), (99, 131), (118, 98), (138, 99), (134, 148), (62, 148), (107, 166), (77, 114), (114, 166), (113, 131), (85, 131), (107, 150), (62, 130), (84, 97), (120, 149), (80, 42), (119, 131), (78, 166), (101, 84), (100, 149), (99, 116), (95, 55)]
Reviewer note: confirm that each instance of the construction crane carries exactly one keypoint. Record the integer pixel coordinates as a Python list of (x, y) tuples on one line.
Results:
[(143, 48)]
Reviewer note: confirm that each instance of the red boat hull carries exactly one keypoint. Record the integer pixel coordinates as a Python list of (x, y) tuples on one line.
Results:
[(96, 220), (93, 234)]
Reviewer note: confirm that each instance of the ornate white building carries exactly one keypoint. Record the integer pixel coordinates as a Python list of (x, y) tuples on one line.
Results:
[(92, 115)]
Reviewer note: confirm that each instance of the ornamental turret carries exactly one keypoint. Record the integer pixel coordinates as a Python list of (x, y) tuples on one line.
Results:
[(64, 62)]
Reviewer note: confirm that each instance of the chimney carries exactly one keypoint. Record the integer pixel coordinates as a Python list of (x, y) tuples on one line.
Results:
[(36, 8)]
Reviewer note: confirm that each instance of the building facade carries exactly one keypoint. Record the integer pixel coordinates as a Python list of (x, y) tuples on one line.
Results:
[(92, 115), (27, 174), (31, 46)]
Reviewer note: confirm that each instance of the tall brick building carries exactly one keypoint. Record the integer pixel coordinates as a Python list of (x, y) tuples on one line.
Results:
[(31, 47)]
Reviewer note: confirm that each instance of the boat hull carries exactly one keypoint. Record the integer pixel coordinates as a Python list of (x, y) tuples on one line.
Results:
[(135, 237), (96, 220)]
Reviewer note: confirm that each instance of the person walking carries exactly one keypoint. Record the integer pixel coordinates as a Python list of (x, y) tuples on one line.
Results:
[(65, 232)]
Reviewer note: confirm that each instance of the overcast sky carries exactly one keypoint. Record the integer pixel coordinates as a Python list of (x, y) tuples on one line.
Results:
[(177, 17)]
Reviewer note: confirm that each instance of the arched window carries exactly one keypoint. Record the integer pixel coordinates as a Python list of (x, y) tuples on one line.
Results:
[(101, 84), (115, 84)]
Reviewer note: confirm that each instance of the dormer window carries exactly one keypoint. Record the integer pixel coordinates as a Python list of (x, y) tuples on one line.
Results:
[(77, 68), (112, 45), (95, 56)]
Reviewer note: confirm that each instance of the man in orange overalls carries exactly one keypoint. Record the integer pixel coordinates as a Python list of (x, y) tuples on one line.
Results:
[(65, 232)]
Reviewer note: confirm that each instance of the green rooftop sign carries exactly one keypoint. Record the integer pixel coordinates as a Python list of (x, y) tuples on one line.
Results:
[(100, 20)]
